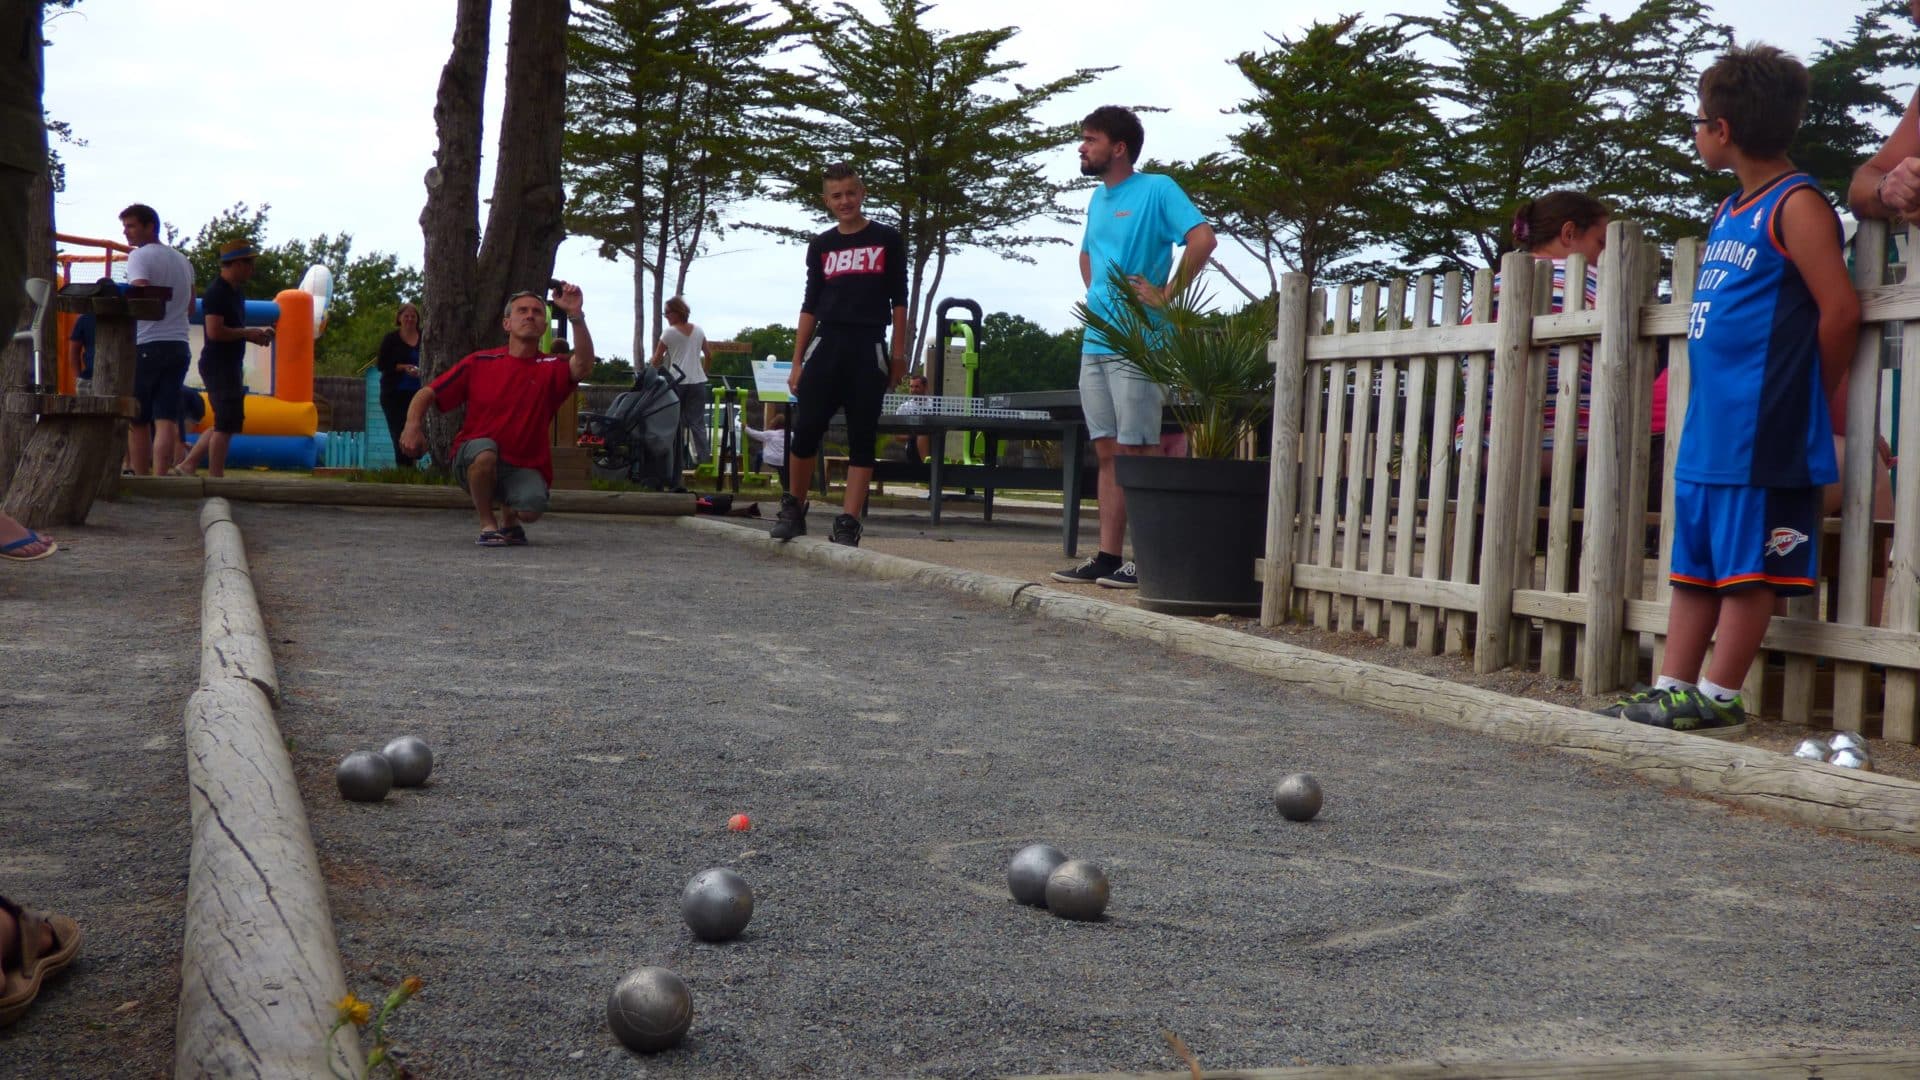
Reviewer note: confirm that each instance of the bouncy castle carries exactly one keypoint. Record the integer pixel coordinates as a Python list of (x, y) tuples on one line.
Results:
[(282, 422)]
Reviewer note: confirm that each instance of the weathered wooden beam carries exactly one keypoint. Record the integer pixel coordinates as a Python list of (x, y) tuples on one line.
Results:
[(1786, 1065)]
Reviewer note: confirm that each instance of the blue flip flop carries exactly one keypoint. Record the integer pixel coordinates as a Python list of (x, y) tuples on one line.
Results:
[(7, 550)]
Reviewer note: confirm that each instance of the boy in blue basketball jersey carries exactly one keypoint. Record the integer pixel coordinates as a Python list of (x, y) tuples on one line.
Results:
[(1772, 328)]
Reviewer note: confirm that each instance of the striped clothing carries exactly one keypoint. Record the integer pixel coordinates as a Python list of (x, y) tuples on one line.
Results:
[(1549, 406)]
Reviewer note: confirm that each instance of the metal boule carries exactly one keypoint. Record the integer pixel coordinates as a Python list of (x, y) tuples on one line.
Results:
[(1297, 796), (364, 776), (716, 904), (1077, 889), (1028, 870), (650, 1009), (411, 758)]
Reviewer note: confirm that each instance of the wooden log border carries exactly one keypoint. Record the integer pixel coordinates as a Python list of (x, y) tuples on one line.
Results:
[(1785, 1065), (1861, 803), (410, 496), (259, 966)]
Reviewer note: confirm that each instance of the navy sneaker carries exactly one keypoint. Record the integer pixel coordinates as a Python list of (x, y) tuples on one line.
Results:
[(1088, 572), (1127, 577)]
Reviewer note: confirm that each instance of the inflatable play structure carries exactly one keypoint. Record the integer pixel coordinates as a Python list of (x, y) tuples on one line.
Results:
[(282, 424)]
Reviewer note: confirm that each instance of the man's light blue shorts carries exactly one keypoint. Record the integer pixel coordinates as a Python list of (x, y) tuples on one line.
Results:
[(1119, 402)]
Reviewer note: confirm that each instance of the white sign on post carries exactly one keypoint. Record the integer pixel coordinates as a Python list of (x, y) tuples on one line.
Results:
[(770, 380)]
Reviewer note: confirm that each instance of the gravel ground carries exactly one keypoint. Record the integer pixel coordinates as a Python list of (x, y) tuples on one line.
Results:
[(100, 652), (603, 700)]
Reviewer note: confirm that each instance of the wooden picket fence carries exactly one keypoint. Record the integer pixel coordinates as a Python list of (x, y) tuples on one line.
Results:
[(1379, 523)]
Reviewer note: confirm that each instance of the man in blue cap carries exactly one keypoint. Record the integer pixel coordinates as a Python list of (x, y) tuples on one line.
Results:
[(223, 358)]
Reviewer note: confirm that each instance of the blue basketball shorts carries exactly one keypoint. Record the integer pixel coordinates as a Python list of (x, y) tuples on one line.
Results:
[(1728, 537)]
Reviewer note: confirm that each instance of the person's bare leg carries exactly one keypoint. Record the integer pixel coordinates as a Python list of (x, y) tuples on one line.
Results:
[(1113, 506), (166, 446), (859, 477), (217, 443), (1743, 622), (480, 476), (799, 475), (140, 448), (197, 454), (1691, 615)]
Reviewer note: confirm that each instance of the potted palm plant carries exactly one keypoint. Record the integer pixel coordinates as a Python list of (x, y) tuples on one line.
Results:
[(1198, 522)]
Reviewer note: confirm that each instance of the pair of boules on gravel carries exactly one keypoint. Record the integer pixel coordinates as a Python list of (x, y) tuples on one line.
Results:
[(651, 1008), (1846, 749), (1041, 875), (367, 775)]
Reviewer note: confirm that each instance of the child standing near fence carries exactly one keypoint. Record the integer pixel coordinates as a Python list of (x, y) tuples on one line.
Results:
[(1771, 331)]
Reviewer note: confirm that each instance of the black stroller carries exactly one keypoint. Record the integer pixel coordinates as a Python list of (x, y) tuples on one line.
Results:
[(638, 431)]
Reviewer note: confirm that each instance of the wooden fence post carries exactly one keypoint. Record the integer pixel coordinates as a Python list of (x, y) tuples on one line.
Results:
[(1903, 574), (1848, 595), (1288, 352), (1512, 449), (1610, 446), (1686, 268)]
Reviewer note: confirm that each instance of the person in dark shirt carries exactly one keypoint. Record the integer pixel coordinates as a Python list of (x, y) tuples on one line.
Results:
[(223, 311), (400, 375), (856, 286), (80, 345)]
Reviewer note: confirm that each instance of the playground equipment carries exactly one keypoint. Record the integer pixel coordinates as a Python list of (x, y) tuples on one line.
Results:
[(282, 421)]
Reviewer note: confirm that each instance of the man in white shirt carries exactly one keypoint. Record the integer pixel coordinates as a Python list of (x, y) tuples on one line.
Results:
[(161, 350)]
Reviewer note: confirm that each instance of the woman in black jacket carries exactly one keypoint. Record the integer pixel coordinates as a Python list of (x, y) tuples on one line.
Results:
[(400, 374)]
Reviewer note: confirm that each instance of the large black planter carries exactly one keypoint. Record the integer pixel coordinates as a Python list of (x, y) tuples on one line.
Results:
[(1197, 527)]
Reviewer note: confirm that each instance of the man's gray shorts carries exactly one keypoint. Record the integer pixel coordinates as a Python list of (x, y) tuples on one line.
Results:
[(513, 486), (1118, 402)]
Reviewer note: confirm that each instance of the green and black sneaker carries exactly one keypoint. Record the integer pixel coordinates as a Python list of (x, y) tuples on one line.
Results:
[(1686, 710), (1635, 696)]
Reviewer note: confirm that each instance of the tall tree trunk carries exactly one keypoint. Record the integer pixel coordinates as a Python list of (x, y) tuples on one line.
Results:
[(16, 361), (933, 293), (450, 222), (524, 226), (640, 351)]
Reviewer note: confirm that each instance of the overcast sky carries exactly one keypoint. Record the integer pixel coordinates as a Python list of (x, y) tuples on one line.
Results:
[(325, 112)]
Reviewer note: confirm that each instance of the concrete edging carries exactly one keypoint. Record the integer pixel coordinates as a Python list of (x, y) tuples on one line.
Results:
[(259, 966), (1863, 804), (411, 496)]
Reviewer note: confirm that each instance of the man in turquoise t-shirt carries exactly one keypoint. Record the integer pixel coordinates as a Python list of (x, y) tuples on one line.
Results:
[(1134, 222)]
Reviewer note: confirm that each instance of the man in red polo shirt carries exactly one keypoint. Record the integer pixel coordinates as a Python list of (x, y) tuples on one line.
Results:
[(503, 454)]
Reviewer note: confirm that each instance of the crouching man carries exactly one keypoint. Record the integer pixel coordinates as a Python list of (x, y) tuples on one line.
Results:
[(503, 455)]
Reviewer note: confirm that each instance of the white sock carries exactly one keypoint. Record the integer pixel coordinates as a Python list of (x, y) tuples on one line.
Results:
[(1717, 692), (1668, 682)]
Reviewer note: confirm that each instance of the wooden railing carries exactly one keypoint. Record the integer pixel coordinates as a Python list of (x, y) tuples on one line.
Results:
[(1381, 523)]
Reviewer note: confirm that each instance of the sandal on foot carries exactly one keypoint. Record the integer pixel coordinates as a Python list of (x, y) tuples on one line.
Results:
[(7, 550), (516, 536), (19, 987), (180, 470), (492, 538)]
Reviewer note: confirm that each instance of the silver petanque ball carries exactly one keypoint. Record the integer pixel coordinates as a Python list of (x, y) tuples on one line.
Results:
[(716, 904), (1028, 870), (1811, 750), (1077, 889), (364, 776), (650, 1009), (1851, 759), (1847, 740), (412, 760), (1297, 796)]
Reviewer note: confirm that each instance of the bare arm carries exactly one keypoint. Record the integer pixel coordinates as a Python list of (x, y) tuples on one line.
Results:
[(1086, 271), (659, 354), (571, 302), (1813, 243), (802, 337), (218, 330), (1887, 185), (897, 368), (412, 439)]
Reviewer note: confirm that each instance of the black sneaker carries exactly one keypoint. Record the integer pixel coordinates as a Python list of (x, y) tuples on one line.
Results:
[(846, 530), (791, 521), (1686, 710), (1127, 577), (1638, 694), (1088, 572)]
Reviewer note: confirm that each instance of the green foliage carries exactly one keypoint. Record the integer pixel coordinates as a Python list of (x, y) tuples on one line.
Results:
[(1215, 369), (1846, 98), (367, 289), (1017, 354), (1562, 99), (763, 341), (947, 141), (611, 371), (669, 115), (1314, 176)]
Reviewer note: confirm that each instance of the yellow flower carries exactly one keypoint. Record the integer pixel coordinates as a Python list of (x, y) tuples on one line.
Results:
[(354, 1010), (410, 985)]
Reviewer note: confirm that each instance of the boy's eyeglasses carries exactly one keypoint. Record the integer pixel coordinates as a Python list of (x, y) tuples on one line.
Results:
[(1698, 120)]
